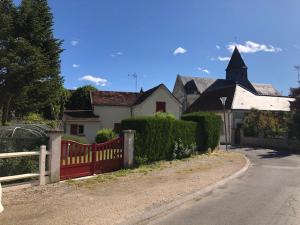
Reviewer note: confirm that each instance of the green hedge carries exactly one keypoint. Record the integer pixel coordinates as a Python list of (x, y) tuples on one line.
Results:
[(210, 128), (155, 137)]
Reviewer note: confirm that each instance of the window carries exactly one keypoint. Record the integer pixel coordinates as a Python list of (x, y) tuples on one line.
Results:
[(77, 129), (117, 127), (160, 107)]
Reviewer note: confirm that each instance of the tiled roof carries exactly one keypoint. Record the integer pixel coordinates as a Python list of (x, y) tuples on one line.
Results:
[(113, 98), (266, 89)]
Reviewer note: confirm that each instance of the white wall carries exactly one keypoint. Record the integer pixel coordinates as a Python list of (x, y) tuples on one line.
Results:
[(109, 115), (148, 107), (90, 129)]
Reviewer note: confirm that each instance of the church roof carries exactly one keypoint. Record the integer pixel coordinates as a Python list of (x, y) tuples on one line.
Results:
[(236, 61)]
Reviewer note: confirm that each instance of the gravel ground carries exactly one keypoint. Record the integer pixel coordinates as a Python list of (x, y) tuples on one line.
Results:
[(111, 198)]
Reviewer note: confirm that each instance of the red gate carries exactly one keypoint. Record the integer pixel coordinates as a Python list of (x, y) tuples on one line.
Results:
[(78, 160)]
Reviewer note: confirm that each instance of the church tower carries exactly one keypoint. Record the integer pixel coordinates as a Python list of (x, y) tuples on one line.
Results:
[(236, 70)]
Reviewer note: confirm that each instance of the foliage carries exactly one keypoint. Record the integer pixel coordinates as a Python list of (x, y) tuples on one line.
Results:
[(79, 139), (295, 107), (80, 98), (155, 137), (165, 115), (209, 125), (29, 60), (104, 135), (183, 151), (35, 118), (268, 123)]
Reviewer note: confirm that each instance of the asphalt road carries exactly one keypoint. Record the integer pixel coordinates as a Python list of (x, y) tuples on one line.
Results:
[(267, 194)]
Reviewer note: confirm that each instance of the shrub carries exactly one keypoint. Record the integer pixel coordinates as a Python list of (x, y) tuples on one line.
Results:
[(79, 139), (35, 118), (209, 128), (104, 135), (155, 136), (181, 150), (165, 115)]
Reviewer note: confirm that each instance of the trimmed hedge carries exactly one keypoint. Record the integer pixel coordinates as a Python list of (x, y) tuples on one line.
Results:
[(209, 125), (155, 137)]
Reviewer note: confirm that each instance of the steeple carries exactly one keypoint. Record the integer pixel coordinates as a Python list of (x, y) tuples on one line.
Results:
[(236, 69)]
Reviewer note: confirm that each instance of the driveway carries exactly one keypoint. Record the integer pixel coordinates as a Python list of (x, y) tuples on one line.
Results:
[(267, 194)]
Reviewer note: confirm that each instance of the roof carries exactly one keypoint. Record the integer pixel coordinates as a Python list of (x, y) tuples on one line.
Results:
[(80, 115), (114, 98), (266, 89), (236, 61), (239, 98), (204, 84), (210, 100)]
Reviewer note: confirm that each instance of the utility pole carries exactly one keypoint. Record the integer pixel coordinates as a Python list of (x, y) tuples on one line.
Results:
[(298, 71), (134, 76)]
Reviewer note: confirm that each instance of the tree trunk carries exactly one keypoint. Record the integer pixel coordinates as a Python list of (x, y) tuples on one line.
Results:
[(5, 110)]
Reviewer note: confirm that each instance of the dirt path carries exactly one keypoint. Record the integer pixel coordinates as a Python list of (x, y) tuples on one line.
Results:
[(111, 198)]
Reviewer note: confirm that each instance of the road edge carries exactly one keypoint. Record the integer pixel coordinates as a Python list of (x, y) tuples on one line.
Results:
[(144, 217)]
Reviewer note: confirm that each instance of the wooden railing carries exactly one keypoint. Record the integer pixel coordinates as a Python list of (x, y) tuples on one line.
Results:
[(42, 165)]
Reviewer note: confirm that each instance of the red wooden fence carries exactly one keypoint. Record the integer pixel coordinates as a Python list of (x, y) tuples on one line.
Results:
[(78, 160)]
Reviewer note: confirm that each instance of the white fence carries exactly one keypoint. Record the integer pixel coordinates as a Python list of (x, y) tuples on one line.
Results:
[(42, 165)]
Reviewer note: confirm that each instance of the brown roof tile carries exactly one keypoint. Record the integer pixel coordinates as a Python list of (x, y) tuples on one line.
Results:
[(113, 98)]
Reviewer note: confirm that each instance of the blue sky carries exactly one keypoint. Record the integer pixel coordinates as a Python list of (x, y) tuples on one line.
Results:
[(105, 40)]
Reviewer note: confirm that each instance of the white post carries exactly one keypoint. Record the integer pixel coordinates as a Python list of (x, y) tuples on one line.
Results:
[(42, 165), (128, 148), (55, 150), (1, 207)]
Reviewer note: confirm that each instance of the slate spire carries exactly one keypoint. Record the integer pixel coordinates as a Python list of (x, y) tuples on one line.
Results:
[(236, 61)]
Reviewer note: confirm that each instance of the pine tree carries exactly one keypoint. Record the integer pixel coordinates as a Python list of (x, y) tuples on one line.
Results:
[(35, 24)]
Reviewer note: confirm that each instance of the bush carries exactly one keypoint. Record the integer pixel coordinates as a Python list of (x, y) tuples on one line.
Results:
[(209, 125), (104, 135), (35, 118), (155, 136), (165, 115), (183, 151), (79, 139)]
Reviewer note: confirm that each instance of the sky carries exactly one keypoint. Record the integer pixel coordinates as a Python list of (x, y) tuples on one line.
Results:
[(106, 40)]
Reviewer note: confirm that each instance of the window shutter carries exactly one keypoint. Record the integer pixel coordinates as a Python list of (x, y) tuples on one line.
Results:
[(160, 107), (74, 129)]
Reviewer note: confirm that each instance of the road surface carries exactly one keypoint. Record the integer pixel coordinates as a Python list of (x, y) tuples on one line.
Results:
[(267, 194)]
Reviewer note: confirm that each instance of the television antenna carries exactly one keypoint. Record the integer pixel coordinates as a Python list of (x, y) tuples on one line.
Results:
[(298, 71), (134, 76)]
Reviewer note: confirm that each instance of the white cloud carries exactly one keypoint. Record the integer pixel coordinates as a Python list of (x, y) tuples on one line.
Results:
[(97, 80), (179, 50), (203, 70), (75, 65), (218, 47), (220, 58), (74, 43), (252, 47), (119, 53), (116, 54)]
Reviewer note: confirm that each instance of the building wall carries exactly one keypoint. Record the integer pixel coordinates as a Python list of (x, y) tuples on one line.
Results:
[(148, 107), (90, 128), (109, 115)]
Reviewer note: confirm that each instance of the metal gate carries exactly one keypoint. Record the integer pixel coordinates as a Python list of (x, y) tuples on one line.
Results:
[(79, 160)]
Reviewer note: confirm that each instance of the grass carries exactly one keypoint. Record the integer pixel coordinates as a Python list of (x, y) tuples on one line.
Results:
[(146, 169)]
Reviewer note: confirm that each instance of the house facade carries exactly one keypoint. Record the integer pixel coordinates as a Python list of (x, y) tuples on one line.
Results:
[(109, 108), (241, 96)]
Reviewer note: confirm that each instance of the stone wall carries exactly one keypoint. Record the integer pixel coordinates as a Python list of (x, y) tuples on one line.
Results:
[(273, 143)]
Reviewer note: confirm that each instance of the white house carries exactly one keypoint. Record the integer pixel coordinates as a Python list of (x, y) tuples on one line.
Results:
[(109, 108)]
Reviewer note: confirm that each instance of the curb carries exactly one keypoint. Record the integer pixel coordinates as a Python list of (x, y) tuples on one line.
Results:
[(146, 217)]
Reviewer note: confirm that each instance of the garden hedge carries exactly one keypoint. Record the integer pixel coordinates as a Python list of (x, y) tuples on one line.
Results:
[(209, 126), (155, 137)]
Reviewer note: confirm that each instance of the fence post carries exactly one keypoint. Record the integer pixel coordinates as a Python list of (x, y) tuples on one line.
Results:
[(42, 165), (128, 148), (1, 207), (55, 156)]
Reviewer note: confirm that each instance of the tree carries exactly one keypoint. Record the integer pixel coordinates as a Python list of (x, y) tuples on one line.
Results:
[(30, 78), (295, 107), (80, 98)]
